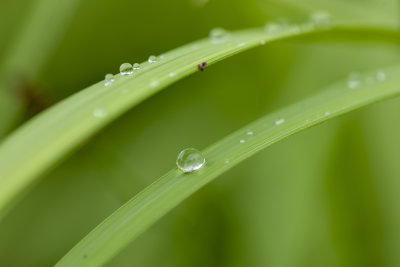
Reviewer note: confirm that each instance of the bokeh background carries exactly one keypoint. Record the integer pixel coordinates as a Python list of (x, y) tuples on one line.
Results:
[(326, 197)]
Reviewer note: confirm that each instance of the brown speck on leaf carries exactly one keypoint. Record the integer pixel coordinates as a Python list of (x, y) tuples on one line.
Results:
[(202, 66)]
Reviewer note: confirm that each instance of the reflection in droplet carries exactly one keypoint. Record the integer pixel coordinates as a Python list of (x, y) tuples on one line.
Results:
[(189, 160)]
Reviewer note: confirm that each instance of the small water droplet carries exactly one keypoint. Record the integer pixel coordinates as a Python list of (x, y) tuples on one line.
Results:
[(161, 57), (154, 84), (136, 66), (381, 76), (126, 69), (327, 113), (227, 161), (172, 74), (262, 42), (354, 80), (250, 132), (273, 28), (242, 141), (280, 121), (321, 19), (189, 160), (99, 113), (153, 59), (218, 35), (241, 44), (109, 79)]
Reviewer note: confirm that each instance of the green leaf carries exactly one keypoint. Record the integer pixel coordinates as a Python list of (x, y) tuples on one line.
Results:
[(41, 31), (47, 138), (112, 235)]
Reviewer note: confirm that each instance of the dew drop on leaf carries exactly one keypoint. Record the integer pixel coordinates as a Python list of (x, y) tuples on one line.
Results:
[(321, 19), (280, 121), (109, 79), (218, 35), (136, 66), (154, 84), (381, 76), (99, 113), (189, 160), (354, 80), (153, 59), (126, 69), (273, 28)]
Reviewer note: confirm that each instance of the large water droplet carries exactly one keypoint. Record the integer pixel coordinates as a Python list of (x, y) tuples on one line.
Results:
[(153, 59), (109, 79), (126, 69), (321, 19), (136, 66), (280, 121), (189, 160), (99, 113), (218, 35)]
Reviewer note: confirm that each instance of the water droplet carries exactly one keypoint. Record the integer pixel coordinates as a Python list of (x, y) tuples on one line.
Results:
[(250, 132), (172, 74), (273, 28), (242, 141), (109, 79), (241, 44), (126, 69), (327, 113), (153, 59), (381, 76), (218, 35), (161, 57), (99, 113), (262, 42), (321, 19), (154, 84), (227, 161), (354, 80), (136, 66), (189, 160), (280, 121)]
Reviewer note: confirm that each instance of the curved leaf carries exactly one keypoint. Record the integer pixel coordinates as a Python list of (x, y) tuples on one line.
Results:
[(114, 233)]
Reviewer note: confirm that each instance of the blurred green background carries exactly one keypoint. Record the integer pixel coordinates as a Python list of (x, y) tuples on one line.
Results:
[(326, 197)]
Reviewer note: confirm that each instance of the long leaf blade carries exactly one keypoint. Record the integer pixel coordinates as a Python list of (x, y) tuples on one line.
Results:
[(113, 234)]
